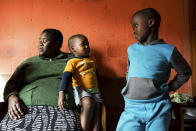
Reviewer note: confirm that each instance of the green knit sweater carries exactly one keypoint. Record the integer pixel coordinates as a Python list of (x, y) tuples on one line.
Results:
[(36, 81)]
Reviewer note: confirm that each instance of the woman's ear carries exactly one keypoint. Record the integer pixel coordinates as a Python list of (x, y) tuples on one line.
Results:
[(151, 22), (59, 45)]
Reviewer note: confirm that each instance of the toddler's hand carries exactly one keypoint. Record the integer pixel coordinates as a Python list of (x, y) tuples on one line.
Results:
[(61, 100)]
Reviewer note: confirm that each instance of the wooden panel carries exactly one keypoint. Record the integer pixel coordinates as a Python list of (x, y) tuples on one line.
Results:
[(194, 15), (194, 63), (193, 45)]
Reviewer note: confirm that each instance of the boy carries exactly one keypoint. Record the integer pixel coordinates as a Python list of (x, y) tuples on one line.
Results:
[(81, 69), (146, 94)]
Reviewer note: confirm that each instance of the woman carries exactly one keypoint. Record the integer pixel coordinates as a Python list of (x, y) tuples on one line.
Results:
[(32, 91)]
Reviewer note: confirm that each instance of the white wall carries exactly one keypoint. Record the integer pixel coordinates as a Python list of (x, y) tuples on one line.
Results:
[(3, 80)]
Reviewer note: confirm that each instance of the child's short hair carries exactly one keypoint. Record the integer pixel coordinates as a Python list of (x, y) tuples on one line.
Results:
[(55, 35), (70, 40), (150, 13)]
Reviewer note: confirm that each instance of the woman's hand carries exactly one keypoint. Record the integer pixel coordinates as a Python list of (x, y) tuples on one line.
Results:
[(15, 107), (61, 100)]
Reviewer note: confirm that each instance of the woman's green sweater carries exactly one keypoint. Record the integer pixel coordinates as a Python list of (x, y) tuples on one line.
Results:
[(36, 81)]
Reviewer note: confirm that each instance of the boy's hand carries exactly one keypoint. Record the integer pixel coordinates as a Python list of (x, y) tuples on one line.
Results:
[(61, 100)]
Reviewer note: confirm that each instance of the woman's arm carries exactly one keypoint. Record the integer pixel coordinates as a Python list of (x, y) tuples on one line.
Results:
[(16, 108)]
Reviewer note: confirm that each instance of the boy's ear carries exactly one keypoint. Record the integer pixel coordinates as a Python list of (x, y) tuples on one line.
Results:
[(151, 22)]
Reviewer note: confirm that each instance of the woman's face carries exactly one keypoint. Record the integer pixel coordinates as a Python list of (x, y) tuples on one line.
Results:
[(47, 47)]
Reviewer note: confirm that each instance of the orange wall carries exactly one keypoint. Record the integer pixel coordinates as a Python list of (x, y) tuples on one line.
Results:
[(105, 22)]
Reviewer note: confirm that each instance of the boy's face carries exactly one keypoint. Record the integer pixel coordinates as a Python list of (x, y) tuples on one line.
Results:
[(47, 46), (141, 29), (80, 48)]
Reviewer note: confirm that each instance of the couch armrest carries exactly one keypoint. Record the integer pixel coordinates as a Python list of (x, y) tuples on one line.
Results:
[(3, 110)]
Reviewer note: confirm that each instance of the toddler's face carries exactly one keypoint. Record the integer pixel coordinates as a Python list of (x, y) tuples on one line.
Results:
[(141, 29), (80, 48)]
